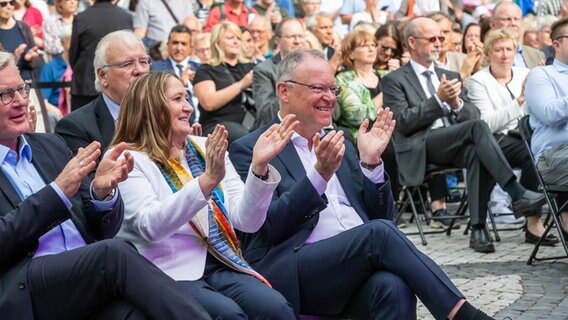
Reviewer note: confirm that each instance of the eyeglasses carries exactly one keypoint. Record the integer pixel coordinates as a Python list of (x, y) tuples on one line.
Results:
[(294, 36), (561, 37), (335, 90), (432, 39), (386, 49), (130, 65), (5, 3), (7, 95)]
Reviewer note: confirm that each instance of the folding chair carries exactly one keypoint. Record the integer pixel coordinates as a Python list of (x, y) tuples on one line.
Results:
[(550, 191), (411, 191)]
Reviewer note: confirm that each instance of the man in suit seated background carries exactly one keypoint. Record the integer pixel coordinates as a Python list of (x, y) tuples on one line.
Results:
[(436, 124), (120, 58), (289, 35), (51, 214), (179, 62), (328, 243)]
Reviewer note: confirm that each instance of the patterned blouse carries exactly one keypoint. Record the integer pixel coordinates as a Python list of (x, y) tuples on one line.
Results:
[(355, 102), (52, 27)]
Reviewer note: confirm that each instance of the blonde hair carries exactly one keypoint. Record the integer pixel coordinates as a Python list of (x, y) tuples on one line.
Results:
[(144, 121), (353, 40), (217, 55), (497, 35)]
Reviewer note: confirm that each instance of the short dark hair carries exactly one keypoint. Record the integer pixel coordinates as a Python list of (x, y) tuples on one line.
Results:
[(180, 28), (557, 28), (278, 29)]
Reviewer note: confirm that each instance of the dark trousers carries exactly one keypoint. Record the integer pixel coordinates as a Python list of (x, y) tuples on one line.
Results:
[(227, 294), (519, 157), (471, 145), (106, 280), (372, 272), (78, 101)]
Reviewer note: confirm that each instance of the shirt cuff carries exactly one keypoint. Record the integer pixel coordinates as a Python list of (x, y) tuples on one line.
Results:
[(377, 175), (317, 181), (61, 195), (100, 205)]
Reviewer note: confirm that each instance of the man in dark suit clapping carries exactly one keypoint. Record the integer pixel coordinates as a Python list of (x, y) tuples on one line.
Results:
[(437, 124)]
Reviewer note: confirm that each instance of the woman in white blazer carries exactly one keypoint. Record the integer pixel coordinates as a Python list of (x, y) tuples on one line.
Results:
[(498, 91), (183, 200)]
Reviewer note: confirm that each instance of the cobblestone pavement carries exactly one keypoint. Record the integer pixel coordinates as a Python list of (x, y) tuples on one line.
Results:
[(501, 283)]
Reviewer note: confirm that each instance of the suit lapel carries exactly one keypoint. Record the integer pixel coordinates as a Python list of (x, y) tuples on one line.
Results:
[(8, 190), (105, 123), (291, 161), (412, 78)]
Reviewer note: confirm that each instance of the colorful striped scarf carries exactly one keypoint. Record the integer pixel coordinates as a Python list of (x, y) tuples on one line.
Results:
[(222, 240)]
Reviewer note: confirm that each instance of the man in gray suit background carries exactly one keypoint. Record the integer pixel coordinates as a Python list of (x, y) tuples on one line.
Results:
[(290, 35), (436, 124)]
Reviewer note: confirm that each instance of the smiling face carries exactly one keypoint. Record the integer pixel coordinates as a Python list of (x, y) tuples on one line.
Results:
[(313, 110), (386, 49), (229, 43), (13, 116), (180, 110)]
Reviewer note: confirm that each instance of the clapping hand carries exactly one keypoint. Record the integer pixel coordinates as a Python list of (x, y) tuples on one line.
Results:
[(112, 171), (69, 180), (271, 143), (373, 142), (329, 152), (449, 91), (215, 150)]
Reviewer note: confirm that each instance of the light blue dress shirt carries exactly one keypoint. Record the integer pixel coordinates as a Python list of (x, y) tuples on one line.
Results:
[(547, 104), (26, 180)]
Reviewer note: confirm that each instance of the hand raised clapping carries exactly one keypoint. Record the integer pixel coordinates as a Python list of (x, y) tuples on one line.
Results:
[(271, 143), (215, 149), (373, 142)]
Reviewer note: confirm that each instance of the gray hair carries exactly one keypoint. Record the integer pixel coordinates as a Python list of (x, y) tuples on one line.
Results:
[(410, 30), (312, 22), (545, 21), (124, 37), (290, 62), (6, 59)]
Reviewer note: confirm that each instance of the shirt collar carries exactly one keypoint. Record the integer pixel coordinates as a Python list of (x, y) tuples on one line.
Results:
[(24, 150), (419, 69), (113, 107), (560, 67), (184, 63)]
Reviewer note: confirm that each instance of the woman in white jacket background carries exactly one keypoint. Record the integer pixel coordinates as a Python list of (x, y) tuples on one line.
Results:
[(498, 90)]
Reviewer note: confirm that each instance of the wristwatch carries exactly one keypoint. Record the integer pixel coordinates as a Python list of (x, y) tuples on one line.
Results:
[(264, 177), (370, 166)]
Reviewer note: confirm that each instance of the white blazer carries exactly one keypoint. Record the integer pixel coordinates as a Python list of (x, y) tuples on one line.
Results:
[(156, 219), (498, 109)]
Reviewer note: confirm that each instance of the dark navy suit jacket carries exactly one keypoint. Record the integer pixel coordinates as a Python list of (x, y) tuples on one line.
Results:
[(294, 211), (22, 223)]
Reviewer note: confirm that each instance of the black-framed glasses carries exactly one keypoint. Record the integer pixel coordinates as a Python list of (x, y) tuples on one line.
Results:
[(335, 90), (386, 49), (130, 65), (3, 4), (7, 96), (432, 39)]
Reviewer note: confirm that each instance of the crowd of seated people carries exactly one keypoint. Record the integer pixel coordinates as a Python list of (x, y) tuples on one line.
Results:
[(221, 150)]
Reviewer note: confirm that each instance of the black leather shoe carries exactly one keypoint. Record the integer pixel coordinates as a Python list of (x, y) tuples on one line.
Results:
[(480, 240), (549, 241), (441, 222), (529, 201)]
